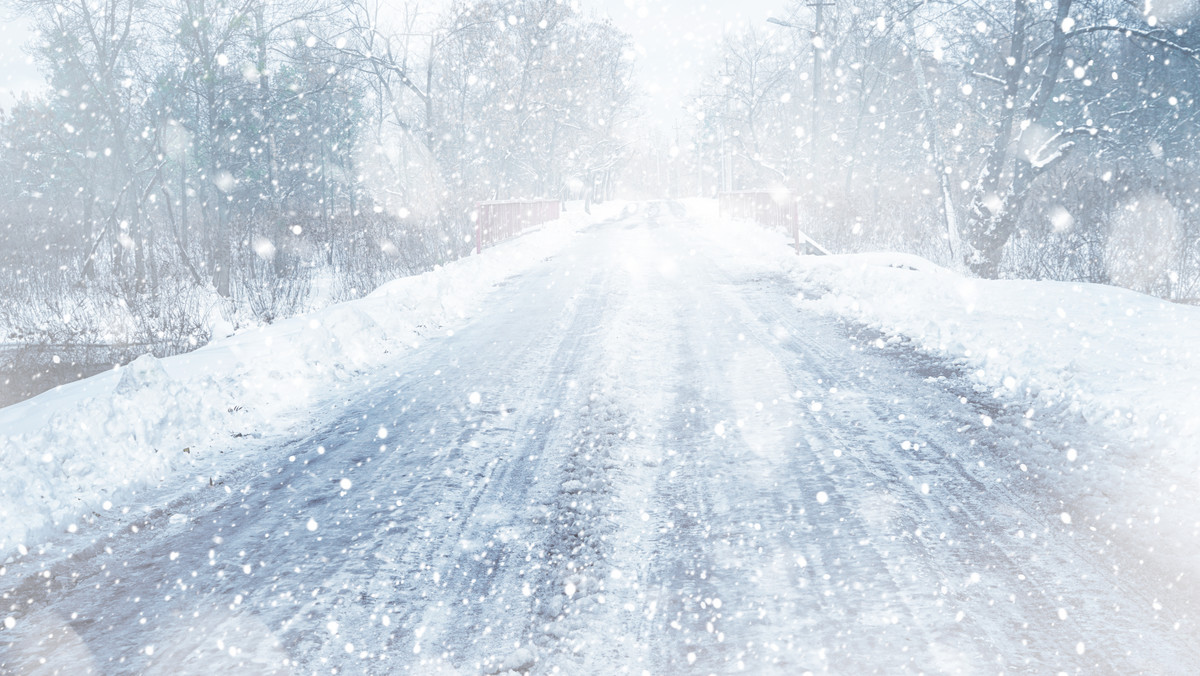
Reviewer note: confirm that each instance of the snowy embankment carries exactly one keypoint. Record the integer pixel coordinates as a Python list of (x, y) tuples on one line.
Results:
[(91, 446), (1106, 356)]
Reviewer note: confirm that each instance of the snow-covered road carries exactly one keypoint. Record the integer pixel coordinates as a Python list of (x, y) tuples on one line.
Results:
[(636, 460)]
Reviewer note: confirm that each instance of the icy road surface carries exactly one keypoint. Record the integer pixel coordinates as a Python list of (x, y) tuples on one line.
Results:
[(637, 460)]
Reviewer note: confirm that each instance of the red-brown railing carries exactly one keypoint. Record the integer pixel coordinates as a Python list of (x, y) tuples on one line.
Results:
[(770, 210), (498, 221)]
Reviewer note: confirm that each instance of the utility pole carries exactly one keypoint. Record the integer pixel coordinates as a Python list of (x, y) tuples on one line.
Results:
[(726, 149), (676, 160), (818, 52), (818, 43)]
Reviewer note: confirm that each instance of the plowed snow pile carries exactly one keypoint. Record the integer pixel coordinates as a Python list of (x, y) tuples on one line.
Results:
[(94, 444), (1118, 360)]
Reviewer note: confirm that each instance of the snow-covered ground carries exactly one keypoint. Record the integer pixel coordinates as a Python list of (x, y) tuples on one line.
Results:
[(1052, 351), (91, 446), (646, 453), (1114, 356)]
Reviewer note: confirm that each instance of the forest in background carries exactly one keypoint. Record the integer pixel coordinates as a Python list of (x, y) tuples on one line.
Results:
[(197, 165), (207, 163), (1005, 138)]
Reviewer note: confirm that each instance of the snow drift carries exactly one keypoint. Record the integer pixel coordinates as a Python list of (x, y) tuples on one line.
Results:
[(90, 446), (1100, 355)]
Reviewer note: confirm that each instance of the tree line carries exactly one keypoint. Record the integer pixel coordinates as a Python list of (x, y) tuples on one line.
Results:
[(1049, 139), (253, 157)]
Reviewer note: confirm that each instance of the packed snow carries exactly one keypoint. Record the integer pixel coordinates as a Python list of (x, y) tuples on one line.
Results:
[(733, 351), (648, 447), (90, 446), (1110, 357)]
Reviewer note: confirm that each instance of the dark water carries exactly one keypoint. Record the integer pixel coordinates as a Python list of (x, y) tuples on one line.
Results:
[(29, 370)]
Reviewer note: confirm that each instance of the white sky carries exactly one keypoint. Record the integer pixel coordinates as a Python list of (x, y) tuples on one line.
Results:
[(673, 38), (17, 72)]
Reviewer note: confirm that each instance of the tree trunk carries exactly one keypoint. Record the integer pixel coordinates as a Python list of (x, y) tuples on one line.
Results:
[(930, 122), (988, 230)]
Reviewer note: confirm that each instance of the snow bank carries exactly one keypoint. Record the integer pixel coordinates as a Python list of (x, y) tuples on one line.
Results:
[(91, 446), (1110, 357), (1115, 356)]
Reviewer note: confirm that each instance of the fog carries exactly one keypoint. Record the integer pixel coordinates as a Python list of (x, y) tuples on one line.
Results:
[(535, 337), (173, 166)]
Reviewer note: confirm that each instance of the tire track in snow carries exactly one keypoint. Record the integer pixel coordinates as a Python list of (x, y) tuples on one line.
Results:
[(735, 531), (586, 627), (967, 516), (489, 547), (800, 539)]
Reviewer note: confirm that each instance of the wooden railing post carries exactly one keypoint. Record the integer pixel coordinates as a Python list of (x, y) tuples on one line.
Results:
[(763, 208), (498, 221), (478, 228)]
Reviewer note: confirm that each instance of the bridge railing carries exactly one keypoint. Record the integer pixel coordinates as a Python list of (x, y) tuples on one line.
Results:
[(498, 221), (768, 210)]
